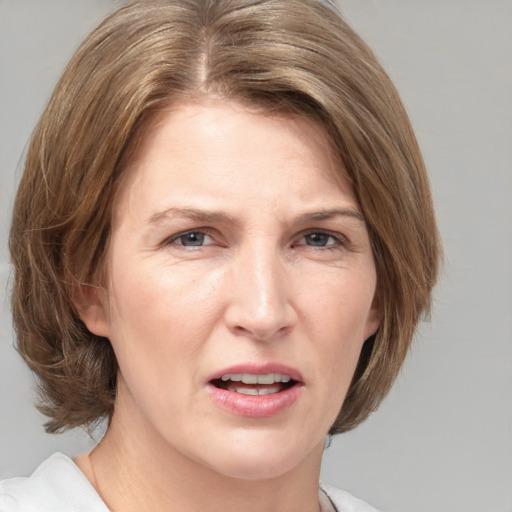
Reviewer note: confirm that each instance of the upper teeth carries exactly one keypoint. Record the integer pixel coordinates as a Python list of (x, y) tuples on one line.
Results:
[(250, 378)]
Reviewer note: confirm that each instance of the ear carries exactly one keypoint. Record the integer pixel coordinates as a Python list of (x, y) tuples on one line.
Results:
[(92, 307), (374, 317)]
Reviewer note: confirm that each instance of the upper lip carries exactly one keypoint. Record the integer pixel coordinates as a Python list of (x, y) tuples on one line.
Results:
[(258, 369)]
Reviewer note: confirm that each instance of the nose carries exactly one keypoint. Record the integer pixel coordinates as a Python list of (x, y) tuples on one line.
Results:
[(260, 303)]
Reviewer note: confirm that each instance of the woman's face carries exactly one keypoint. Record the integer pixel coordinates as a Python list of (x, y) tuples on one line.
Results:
[(239, 293)]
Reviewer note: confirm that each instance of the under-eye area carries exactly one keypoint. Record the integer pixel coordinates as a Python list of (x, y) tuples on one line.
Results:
[(251, 384)]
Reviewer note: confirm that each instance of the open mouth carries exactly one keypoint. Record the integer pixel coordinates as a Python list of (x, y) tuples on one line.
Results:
[(261, 392), (254, 384)]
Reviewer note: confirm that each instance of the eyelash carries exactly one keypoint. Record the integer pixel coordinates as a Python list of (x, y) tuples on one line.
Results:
[(339, 241), (175, 238)]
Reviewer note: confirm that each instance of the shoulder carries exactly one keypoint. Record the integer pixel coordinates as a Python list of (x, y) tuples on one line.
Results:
[(344, 501), (57, 485)]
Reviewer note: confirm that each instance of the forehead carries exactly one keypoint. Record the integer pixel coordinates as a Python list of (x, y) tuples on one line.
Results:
[(226, 149)]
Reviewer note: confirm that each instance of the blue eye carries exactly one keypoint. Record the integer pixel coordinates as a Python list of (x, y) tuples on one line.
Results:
[(320, 239), (192, 239)]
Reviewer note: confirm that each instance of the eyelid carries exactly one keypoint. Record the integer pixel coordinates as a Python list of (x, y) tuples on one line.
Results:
[(205, 231), (341, 239)]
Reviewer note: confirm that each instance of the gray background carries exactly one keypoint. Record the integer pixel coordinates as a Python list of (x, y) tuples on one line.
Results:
[(442, 440)]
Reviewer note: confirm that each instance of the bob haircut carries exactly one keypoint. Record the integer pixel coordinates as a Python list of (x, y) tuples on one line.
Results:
[(285, 57)]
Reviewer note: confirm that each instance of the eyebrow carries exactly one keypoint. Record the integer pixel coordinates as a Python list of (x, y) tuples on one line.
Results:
[(217, 216), (329, 214), (192, 213)]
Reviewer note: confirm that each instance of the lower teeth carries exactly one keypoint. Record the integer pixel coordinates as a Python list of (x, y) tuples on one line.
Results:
[(269, 390)]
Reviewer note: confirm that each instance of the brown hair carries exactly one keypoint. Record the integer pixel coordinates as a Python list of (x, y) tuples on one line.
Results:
[(291, 56)]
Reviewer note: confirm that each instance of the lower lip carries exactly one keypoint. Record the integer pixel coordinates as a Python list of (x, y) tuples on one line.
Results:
[(255, 406)]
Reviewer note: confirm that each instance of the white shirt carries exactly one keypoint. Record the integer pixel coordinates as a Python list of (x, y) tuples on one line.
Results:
[(57, 485)]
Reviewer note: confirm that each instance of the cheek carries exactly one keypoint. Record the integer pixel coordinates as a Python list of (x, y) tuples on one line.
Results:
[(340, 312), (339, 305), (160, 313)]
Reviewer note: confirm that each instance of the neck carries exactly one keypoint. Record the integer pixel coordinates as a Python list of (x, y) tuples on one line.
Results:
[(132, 473)]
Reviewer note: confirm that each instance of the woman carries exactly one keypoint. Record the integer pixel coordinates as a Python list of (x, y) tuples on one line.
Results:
[(222, 243)]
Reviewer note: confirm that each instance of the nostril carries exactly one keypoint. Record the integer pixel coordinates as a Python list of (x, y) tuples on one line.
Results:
[(242, 330), (262, 333)]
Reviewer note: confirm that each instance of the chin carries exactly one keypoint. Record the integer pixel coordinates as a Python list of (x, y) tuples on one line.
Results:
[(259, 458)]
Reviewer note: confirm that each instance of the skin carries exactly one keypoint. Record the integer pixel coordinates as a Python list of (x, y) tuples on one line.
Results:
[(265, 280)]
